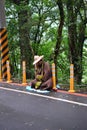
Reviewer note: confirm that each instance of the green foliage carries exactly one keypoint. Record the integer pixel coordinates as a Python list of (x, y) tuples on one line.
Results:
[(46, 49), (42, 25), (13, 37), (84, 79), (63, 68)]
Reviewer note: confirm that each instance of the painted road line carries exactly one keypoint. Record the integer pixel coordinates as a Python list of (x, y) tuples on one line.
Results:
[(44, 96)]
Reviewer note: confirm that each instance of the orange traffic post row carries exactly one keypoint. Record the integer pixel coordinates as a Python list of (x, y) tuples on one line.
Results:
[(71, 78), (54, 77), (8, 72), (24, 73)]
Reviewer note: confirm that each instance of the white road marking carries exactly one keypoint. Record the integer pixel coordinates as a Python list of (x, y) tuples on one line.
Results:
[(44, 96)]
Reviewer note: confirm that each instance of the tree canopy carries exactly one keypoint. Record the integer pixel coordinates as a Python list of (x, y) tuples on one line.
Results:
[(56, 29)]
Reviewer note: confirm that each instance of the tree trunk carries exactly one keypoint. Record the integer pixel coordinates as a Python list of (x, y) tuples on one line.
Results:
[(75, 41), (26, 50), (59, 34), (25, 47)]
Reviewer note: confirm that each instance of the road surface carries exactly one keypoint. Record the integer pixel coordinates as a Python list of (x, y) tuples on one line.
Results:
[(23, 110)]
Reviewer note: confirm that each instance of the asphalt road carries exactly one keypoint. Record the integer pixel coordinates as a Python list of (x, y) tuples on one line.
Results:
[(22, 110)]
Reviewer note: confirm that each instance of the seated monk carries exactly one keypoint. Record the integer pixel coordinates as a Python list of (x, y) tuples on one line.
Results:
[(43, 74)]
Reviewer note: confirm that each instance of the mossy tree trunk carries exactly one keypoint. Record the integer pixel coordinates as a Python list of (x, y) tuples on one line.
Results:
[(59, 34), (26, 50), (76, 35)]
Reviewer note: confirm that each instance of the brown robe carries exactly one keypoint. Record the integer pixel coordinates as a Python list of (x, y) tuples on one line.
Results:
[(47, 77)]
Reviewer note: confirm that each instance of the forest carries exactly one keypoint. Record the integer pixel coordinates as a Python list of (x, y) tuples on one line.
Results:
[(56, 29)]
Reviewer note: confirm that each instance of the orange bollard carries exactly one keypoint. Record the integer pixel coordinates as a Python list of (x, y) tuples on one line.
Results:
[(54, 77), (24, 73), (71, 78), (8, 72)]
